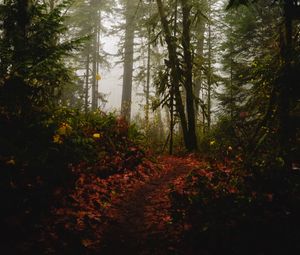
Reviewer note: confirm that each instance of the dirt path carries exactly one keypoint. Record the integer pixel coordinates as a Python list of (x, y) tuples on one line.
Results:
[(141, 223)]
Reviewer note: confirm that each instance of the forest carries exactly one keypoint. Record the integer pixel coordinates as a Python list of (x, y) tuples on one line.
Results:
[(201, 153)]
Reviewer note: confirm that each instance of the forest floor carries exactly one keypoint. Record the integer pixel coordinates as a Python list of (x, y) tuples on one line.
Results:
[(142, 222), (125, 213), (164, 206)]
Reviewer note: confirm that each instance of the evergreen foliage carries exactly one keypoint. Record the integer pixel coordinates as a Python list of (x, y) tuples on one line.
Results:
[(33, 72)]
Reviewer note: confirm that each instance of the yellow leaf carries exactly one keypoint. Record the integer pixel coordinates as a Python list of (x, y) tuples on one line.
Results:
[(10, 162), (96, 136), (212, 142), (64, 129), (57, 139), (98, 77)]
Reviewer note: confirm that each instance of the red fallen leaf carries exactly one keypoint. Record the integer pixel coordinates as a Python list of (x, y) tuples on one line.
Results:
[(92, 191), (239, 158), (133, 149), (232, 190), (243, 115), (57, 191), (87, 242), (270, 197), (187, 226)]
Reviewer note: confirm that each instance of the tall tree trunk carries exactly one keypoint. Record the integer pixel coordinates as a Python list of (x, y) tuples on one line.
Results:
[(198, 77), (128, 60), (95, 53), (99, 16), (87, 76), (160, 124), (148, 78), (172, 121), (209, 71), (188, 74), (175, 74)]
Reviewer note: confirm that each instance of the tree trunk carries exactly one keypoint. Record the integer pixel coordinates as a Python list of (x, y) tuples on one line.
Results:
[(95, 53), (175, 74), (198, 78), (148, 78), (128, 60), (209, 72), (172, 121), (188, 74), (87, 76)]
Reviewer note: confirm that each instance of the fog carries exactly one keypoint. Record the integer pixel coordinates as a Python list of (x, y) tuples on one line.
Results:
[(111, 80)]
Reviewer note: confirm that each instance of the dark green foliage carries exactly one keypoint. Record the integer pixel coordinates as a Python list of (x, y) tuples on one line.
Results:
[(32, 59), (47, 146), (40, 157), (32, 76), (229, 214), (253, 208), (236, 3), (251, 101), (40, 141)]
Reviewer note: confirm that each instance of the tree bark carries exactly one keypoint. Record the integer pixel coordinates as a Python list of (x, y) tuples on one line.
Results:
[(209, 74), (95, 53), (87, 76), (175, 72), (200, 46), (172, 121), (148, 78), (128, 60), (188, 74)]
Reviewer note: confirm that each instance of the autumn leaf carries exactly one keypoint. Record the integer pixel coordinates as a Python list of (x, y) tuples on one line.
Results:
[(87, 242), (98, 77)]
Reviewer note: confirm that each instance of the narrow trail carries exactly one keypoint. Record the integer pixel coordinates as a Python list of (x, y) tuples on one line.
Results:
[(141, 222)]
